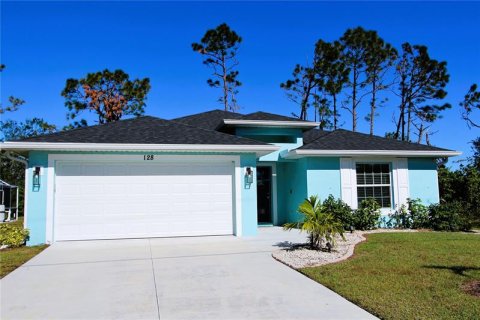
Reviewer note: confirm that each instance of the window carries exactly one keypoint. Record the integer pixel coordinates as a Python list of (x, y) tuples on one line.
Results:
[(373, 181)]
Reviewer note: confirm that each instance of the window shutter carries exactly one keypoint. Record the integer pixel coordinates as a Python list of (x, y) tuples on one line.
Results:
[(403, 192), (348, 181)]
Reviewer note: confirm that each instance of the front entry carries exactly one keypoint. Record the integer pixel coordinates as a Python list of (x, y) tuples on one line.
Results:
[(264, 195)]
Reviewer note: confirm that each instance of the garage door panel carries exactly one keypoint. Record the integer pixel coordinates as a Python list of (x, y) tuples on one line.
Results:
[(128, 200)]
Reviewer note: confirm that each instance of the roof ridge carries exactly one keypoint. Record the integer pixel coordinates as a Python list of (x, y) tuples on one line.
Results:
[(209, 111), (273, 114)]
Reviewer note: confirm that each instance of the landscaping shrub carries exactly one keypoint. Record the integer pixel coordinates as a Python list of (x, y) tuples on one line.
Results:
[(320, 224), (12, 235), (400, 218), (453, 216), (367, 216), (419, 213), (462, 185), (340, 210), (413, 216)]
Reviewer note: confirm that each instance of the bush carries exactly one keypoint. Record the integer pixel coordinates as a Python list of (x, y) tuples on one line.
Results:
[(462, 185), (12, 235), (453, 216), (340, 210), (367, 216), (400, 218), (419, 213), (413, 216)]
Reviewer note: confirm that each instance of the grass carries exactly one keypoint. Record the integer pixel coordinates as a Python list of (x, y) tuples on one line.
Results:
[(12, 258), (409, 275)]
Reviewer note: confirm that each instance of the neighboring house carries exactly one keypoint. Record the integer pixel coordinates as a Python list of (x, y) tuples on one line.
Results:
[(212, 173)]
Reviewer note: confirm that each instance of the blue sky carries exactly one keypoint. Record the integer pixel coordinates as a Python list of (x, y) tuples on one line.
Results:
[(43, 44)]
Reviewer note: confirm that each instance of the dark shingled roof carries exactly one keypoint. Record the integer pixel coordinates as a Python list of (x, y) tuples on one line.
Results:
[(144, 130), (313, 134), (267, 117), (213, 119), (208, 120), (347, 140)]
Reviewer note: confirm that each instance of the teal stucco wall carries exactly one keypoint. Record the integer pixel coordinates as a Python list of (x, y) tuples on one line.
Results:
[(36, 206), (323, 176), (249, 196), (423, 180), (302, 178), (294, 135), (291, 189)]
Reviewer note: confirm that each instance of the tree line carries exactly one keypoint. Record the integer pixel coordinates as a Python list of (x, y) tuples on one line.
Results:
[(362, 67), (357, 70)]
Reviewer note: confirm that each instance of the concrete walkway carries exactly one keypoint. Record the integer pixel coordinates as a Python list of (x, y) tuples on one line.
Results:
[(174, 278)]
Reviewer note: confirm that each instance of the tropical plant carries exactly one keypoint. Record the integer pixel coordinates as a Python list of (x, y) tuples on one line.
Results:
[(321, 225), (367, 216)]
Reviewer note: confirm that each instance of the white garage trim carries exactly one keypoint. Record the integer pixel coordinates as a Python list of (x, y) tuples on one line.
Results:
[(53, 158), (260, 150)]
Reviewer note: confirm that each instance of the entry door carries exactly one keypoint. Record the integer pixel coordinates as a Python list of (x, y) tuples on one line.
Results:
[(112, 200), (264, 194)]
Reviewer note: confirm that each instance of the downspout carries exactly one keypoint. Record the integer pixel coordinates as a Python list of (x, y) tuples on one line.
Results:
[(23, 161)]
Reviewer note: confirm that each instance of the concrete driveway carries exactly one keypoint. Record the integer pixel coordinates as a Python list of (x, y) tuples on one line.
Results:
[(174, 278)]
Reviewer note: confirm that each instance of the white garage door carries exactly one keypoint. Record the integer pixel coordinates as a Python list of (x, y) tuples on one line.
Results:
[(114, 200)]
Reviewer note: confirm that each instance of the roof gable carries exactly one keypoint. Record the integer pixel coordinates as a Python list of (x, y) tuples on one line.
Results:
[(214, 119), (208, 120)]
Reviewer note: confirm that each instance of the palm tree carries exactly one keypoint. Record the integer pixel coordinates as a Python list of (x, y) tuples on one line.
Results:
[(320, 224)]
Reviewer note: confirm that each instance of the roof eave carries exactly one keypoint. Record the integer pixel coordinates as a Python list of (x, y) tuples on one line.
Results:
[(260, 150), (295, 154), (270, 123)]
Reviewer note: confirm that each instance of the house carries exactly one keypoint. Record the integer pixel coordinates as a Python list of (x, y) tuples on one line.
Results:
[(212, 173)]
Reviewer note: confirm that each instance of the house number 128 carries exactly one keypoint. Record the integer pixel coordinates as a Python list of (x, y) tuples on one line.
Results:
[(148, 157)]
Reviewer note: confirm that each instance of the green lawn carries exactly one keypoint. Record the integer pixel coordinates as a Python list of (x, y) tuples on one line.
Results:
[(12, 258), (409, 275)]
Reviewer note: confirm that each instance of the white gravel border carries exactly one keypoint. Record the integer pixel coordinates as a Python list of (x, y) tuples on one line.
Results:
[(302, 257)]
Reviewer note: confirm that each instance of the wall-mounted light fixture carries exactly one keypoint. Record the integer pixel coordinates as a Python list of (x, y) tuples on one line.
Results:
[(36, 177), (249, 175)]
